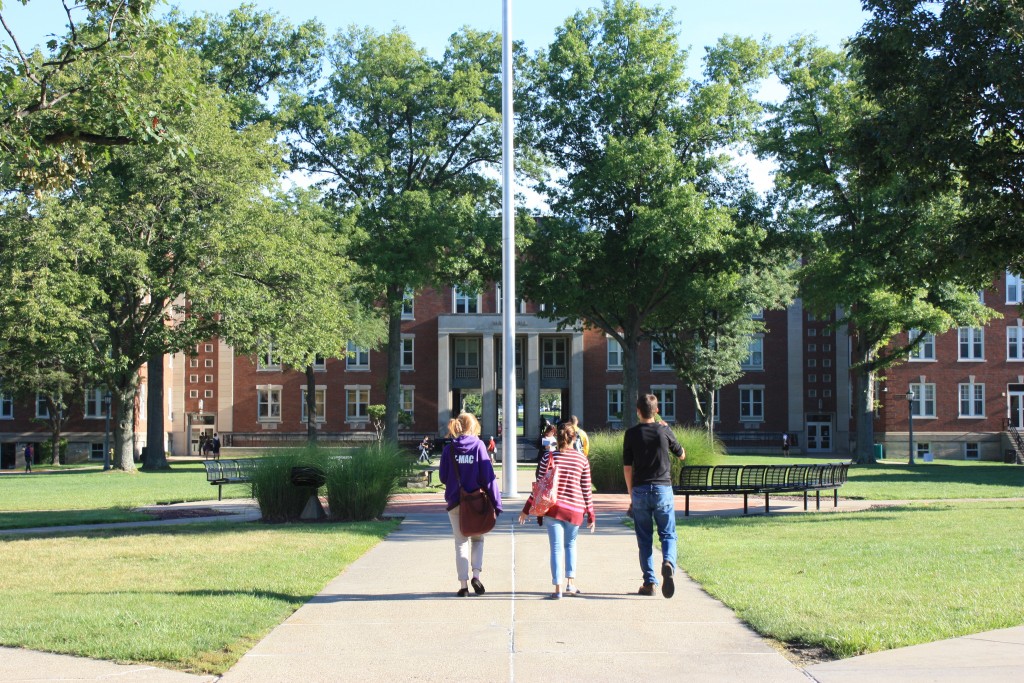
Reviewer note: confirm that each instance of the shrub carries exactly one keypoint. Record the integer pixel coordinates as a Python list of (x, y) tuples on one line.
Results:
[(279, 500), (360, 485), (606, 456)]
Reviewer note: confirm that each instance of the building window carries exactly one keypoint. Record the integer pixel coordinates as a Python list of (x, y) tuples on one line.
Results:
[(193, 393), (920, 448), (209, 362), (466, 303), (407, 304), (96, 451), (319, 364), (1013, 288), (357, 401), (972, 451), (972, 400), (923, 404), (553, 352), (614, 404), (925, 349), (209, 348), (827, 393), (666, 402), (268, 360), (812, 332), (407, 352), (812, 362), (827, 348), (208, 393), (812, 379), (659, 357), (94, 403), (827, 379), (320, 404), (406, 397), (1015, 342), (357, 358), (812, 393), (467, 352), (755, 355), (752, 404), (42, 410), (812, 348), (758, 314), (193, 362), (614, 354), (268, 400), (972, 343), (193, 379), (520, 303), (208, 379), (6, 407), (826, 362)]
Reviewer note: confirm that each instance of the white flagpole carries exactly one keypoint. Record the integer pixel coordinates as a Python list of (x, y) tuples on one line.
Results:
[(510, 483)]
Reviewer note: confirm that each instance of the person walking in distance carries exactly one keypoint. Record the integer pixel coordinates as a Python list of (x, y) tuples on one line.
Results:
[(574, 504), (28, 457), (216, 446), (582, 440), (475, 470), (647, 466)]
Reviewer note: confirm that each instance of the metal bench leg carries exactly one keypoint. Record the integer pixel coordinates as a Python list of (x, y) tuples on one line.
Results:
[(835, 497), (687, 505), (817, 495), (744, 503), (220, 490), (767, 505), (805, 501)]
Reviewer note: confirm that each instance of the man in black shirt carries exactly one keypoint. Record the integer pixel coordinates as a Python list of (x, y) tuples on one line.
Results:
[(647, 466)]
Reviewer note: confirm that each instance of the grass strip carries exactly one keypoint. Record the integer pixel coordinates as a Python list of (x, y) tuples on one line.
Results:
[(193, 597), (862, 582), (30, 519)]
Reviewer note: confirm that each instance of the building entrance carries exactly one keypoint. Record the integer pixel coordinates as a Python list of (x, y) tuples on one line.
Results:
[(819, 434), (1016, 398), (200, 426), (8, 456)]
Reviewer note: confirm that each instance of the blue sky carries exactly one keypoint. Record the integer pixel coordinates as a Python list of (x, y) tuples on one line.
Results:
[(430, 23)]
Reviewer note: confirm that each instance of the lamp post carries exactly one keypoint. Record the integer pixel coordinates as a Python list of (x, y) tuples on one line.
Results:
[(106, 432), (910, 423), (510, 485)]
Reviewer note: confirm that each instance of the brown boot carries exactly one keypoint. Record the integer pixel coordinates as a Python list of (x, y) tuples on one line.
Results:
[(647, 589)]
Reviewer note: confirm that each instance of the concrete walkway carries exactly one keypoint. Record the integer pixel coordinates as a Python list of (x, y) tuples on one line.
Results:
[(392, 615)]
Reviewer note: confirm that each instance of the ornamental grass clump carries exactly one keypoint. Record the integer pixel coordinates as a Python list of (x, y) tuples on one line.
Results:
[(360, 484), (278, 498), (606, 456)]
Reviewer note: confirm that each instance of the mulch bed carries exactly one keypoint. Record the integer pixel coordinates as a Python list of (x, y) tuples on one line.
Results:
[(185, 513)]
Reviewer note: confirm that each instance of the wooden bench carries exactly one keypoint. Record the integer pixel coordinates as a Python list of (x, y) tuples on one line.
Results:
[(220, 472), (704, 480)]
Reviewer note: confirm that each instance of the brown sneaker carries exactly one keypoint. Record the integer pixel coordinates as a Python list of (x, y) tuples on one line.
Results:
[(647, 589)]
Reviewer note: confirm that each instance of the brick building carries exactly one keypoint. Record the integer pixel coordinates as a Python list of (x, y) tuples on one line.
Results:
[(968, 385)]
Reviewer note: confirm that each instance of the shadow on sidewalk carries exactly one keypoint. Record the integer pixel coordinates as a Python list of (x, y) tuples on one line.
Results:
[(435, 595)]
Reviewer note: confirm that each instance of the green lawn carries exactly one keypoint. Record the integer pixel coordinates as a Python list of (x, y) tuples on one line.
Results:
[(860, 582), (31, 519), (192, 597)]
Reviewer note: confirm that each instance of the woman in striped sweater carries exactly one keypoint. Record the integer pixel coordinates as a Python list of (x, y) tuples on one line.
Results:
[(563, 520)]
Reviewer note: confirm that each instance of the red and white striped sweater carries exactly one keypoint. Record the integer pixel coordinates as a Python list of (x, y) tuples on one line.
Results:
[(574, 496)]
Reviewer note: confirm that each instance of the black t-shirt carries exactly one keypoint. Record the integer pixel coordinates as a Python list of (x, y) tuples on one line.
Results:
[(646, 448)]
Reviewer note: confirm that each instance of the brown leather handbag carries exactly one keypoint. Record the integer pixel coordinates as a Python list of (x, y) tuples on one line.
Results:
[(477, 515)]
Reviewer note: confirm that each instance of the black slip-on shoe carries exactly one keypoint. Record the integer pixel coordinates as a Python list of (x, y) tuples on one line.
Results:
[(478, 587), (463, 592), (668, 584)]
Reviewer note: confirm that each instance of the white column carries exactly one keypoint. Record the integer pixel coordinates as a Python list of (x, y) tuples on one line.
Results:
[(488, 391), (444, 392), (576, 378)]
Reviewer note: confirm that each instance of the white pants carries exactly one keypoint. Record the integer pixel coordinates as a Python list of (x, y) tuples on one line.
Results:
[(463, 546)]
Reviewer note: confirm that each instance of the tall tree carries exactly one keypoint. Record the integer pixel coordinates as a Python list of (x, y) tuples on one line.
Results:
[(299, 296), (947, 78), (411, 143), (638, 152), (80, 90), (44, 306), (870, 248)]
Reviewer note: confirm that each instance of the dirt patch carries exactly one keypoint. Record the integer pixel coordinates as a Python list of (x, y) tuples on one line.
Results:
[(184, 513), (803, 655)]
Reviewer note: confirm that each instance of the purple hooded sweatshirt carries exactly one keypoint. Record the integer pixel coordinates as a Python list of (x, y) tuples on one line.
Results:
[(475, 470)]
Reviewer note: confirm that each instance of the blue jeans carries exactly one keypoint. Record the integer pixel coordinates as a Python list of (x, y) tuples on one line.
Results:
[(654, 504), (562, 537)]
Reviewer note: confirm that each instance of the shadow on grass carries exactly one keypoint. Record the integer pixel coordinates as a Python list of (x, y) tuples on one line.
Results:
[(887, 513), (939, 473), (26, 519), (223, 526)]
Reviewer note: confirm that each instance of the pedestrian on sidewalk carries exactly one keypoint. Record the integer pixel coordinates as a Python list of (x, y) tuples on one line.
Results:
[(564, 518), (465, 460), (28, 457), (216, 446), (647, 467), (582, 440)]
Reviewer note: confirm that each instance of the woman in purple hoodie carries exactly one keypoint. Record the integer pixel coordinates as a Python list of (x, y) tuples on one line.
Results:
[(469, 454)]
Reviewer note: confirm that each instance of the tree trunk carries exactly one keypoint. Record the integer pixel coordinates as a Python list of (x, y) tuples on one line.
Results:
[(156, 457), (393, 383), (630, 379), (863, 379), (311, 431), (709, 415), (122, 410), (56, 422)]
